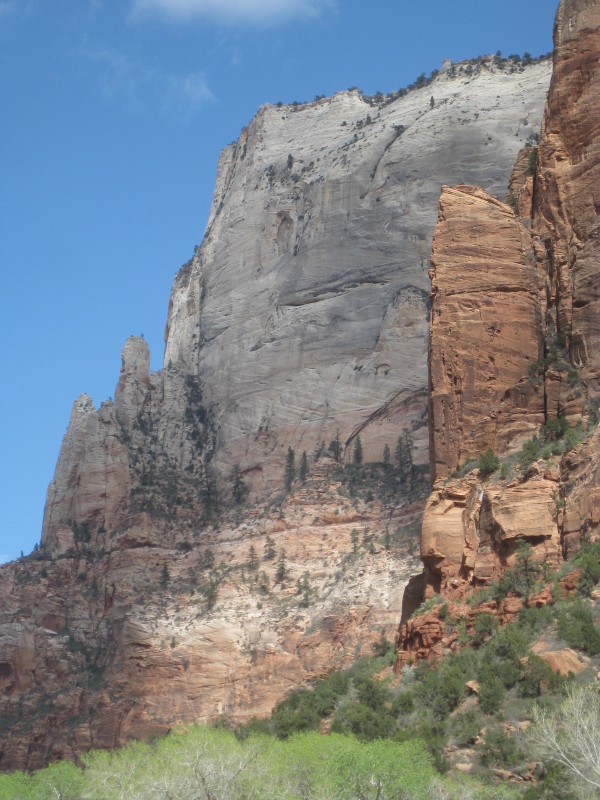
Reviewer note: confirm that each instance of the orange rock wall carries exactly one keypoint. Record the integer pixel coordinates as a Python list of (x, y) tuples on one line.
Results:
[(487, 323)]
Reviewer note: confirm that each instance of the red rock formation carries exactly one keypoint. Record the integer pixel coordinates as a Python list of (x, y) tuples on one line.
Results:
[(486, 331), (567, 196), (504, 304)]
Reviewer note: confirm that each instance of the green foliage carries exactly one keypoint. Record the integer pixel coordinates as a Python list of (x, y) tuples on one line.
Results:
[(529, 453), (500, 749), (465, 727), (335, 447), (488, 462), (532, 162), (239, 487), (576, 626), (491, 693), (354, 540), (382, 647), (484, 625), (269, 550), (536, 677), (304, 590), (290, 468), (303, 467), (512, 200), (387, 456), (588, 561), (358, 452), (281, 572), (252, 563), (554, 429), (404, 454), (164, 576)]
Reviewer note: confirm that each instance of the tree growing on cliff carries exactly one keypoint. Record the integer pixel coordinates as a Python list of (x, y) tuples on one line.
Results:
[(335, 447), (269, 551), (239, 487), (252, 559), (281, 573), (358, 452), (164, 576), (488, 462), (303, 467), (290, 468)]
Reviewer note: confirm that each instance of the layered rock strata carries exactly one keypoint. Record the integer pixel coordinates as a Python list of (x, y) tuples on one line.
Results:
[(487, 329), (566, 186), (513, 344), (304, 313)]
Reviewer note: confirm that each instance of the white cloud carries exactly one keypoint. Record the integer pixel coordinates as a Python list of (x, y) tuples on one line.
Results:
[(233, 11), (143, 87)]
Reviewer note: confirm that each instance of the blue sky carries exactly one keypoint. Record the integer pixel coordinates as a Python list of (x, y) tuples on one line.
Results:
[(112, 118)]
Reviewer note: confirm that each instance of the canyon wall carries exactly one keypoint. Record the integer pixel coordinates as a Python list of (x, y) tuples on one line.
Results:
[(512, 348), (303, 313)]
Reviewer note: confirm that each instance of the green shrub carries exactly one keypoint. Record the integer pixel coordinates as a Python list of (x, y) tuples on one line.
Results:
[(491, 693), (537, 676), (483, 626), (529, 452), (488, 462), (466, 727), (554, 429), (588, 563), (362, 721), (576, 627), (500, 749)]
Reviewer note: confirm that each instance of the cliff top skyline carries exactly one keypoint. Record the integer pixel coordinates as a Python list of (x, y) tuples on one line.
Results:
[(116, 118)]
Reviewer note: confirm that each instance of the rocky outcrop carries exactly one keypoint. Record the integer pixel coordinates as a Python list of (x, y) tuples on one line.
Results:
[(492, 386), (101, 645), (566, 187), (487, 329)]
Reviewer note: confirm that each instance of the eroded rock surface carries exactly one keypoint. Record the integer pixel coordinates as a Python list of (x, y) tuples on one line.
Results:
[(303, 313), (566, 189), (487, 329), (492, 388)]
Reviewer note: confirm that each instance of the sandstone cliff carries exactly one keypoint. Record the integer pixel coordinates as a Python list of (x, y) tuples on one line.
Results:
[(512, 347), (303, 313)]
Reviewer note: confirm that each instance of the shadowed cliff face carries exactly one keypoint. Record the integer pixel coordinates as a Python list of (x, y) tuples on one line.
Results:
[(567, 196), (304, 312), (514, 344)]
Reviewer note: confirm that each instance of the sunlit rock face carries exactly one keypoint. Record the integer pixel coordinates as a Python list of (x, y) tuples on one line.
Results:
[(305, 309), (487, 329), (303, 313), (493, 386)]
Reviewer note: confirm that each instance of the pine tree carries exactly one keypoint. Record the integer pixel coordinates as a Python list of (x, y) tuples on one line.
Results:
[(164, 576), (269, 551), (239, 487), (408, 449), (335, 447), (252, 559), (400, 457), (303, 466), (281, 572), (386, 455), (290, 469), (354, 540), (358, 451)]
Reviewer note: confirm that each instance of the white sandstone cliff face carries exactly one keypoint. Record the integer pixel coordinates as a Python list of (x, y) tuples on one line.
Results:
[(305, 309)]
